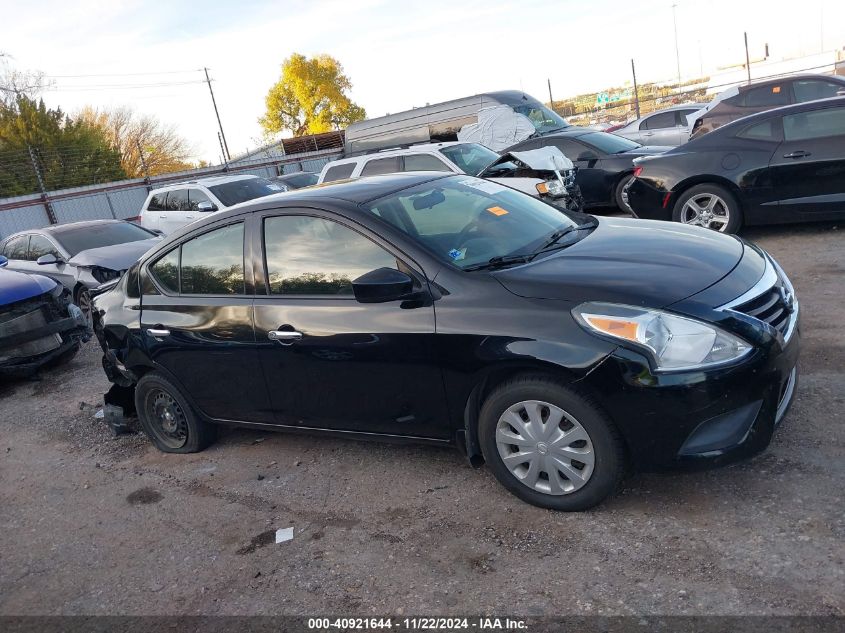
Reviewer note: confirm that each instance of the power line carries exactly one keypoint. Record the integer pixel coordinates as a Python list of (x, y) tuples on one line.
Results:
[(162, 72), (135, 86)]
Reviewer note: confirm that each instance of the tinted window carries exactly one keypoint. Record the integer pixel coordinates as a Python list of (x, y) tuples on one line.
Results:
[(764, 131), (40, 245), (339, 172), (659, 121), (389, 165), (312, 256), (75, 239), (195, 196), (16, 248), (297, 181), (157, 202), (471, 158), (177, 200), (166, 271), (230, 193), (468, 221), (765, 96), (683, 114), (812, 89), (424, 162), (569, 148), (543, 119), (213, 264), (817, 124), (607, 143)]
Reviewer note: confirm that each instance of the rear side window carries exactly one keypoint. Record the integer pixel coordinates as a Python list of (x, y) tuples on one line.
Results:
[(377, 166), (765, 96), (16, 248), (313, 256), (424, 162), (157, 202), (339, 172), (213, 263), (817, 124), (764, 131), (812, 89), (659, 121), (166, 271)]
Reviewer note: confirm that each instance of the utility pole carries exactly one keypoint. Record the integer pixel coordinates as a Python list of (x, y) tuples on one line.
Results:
[(677, 53), (747, 58), (636, 91), (223, 151), (551, 101), (219, 124)]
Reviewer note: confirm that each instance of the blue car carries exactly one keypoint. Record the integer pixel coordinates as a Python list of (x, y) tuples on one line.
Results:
[(38, 323)]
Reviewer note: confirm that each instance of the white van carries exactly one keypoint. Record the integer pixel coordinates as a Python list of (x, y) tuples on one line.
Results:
[(170, 208)]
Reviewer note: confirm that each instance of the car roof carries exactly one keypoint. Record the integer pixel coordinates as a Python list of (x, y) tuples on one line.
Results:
[(778, 80), (284, 177), (207, 182), (807, 106), (395, 151)]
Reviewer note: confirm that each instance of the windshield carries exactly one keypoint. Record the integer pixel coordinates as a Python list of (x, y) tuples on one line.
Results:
[(608, 143), (471, 158), (77, 239), (543, 119), (231, 193), (468, 221)]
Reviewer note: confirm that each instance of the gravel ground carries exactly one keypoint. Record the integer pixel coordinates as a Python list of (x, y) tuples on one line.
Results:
[(91, 524)]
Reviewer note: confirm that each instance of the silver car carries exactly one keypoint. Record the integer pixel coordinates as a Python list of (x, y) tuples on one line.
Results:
[(664, 127), (85, 257)]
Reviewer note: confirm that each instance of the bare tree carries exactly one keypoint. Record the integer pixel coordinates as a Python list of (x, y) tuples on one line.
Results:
[(16, 82), (141, 140)]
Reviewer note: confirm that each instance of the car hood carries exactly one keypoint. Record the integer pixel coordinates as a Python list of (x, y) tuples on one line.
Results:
[(20, 286), (115, 257), (636, 262)]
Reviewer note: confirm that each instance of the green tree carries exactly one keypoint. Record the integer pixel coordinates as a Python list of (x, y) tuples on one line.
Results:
[(310, 98), (69, 153)]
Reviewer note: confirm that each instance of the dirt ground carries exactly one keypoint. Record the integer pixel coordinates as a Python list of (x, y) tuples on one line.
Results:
[(91, 524)]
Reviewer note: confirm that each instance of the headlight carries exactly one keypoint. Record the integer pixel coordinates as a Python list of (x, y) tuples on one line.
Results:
[(553, 187), (673, 342), (103, 275)]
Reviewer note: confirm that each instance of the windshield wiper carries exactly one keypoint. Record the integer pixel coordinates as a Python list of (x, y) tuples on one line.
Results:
[(555, 237), (500, 261)]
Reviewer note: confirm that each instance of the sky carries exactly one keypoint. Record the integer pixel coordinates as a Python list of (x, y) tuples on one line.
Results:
[(398, 53)]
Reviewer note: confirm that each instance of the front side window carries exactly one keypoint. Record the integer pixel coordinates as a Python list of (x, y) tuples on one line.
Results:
[(659, 121), (339, 172), (424, 162), (812, 89), (16, 247), (313, 256), (40, 246), (177, 200), (213, 263), (471, 158), (166, 271), (378, 166), (195, 196), (683, 114), (817, 124), (467, 221), (237, 191)]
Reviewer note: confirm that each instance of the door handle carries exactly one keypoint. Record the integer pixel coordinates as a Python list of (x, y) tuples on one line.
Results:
[(163, 217), (158, 332), (799, 154), (284, 335)]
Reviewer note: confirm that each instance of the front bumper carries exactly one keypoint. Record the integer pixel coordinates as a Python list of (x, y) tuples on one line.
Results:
[(702, 418), (647, 202)]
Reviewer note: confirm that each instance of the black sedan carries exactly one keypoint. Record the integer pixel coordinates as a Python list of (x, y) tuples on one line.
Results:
[(605, 162), (557, 347), (782, 165)]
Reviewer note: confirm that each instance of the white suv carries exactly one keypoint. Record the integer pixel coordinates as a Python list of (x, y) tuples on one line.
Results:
[(529, 172), (172, 207)]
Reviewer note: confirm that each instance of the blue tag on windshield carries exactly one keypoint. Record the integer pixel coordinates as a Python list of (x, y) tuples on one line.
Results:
[(457, 254)]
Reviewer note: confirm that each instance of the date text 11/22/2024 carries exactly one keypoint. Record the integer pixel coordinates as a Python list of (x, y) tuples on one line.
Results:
[(417, 624)]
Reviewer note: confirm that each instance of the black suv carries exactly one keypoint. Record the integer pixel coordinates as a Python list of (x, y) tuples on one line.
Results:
[(447, 309)]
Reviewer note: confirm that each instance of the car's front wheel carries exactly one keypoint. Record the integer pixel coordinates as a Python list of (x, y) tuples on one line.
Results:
[(550, 445), (82, 299), (711, 206), (168, 419)]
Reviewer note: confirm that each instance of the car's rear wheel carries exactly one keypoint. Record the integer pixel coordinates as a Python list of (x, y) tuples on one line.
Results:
[(168, 419), (621, 193), (710, 206), (550, 445)]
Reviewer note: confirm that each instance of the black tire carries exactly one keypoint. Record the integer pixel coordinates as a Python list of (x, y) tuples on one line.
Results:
[(155, 397), (711, 189), (607, 446), (617, 193), (82, 299)]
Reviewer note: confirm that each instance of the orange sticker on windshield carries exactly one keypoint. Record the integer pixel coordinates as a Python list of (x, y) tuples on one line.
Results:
[(776, 89), (497, 211)]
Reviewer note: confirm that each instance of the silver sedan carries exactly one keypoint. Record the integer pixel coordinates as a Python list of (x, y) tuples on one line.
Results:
[(664, 127)]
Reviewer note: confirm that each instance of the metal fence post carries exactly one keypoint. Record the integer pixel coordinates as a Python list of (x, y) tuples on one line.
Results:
[(143, 165), (111, 206), (51, 215), (636, 91)]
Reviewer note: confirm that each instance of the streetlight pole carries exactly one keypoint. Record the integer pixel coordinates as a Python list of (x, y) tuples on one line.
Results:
[(677, 54)]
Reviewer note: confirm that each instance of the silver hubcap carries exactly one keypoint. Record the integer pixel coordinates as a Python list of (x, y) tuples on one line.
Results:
[(625, 196), (544, 447), (83, 301), (707, 210)]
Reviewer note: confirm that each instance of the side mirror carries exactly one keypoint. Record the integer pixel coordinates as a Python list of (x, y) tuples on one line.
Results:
[(3, 261), (206, 207), (49, 258), (381, 285), (587, 156)]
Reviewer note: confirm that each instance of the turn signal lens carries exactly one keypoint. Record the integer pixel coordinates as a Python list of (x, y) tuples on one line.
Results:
[(672, 342), (542, 188)]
